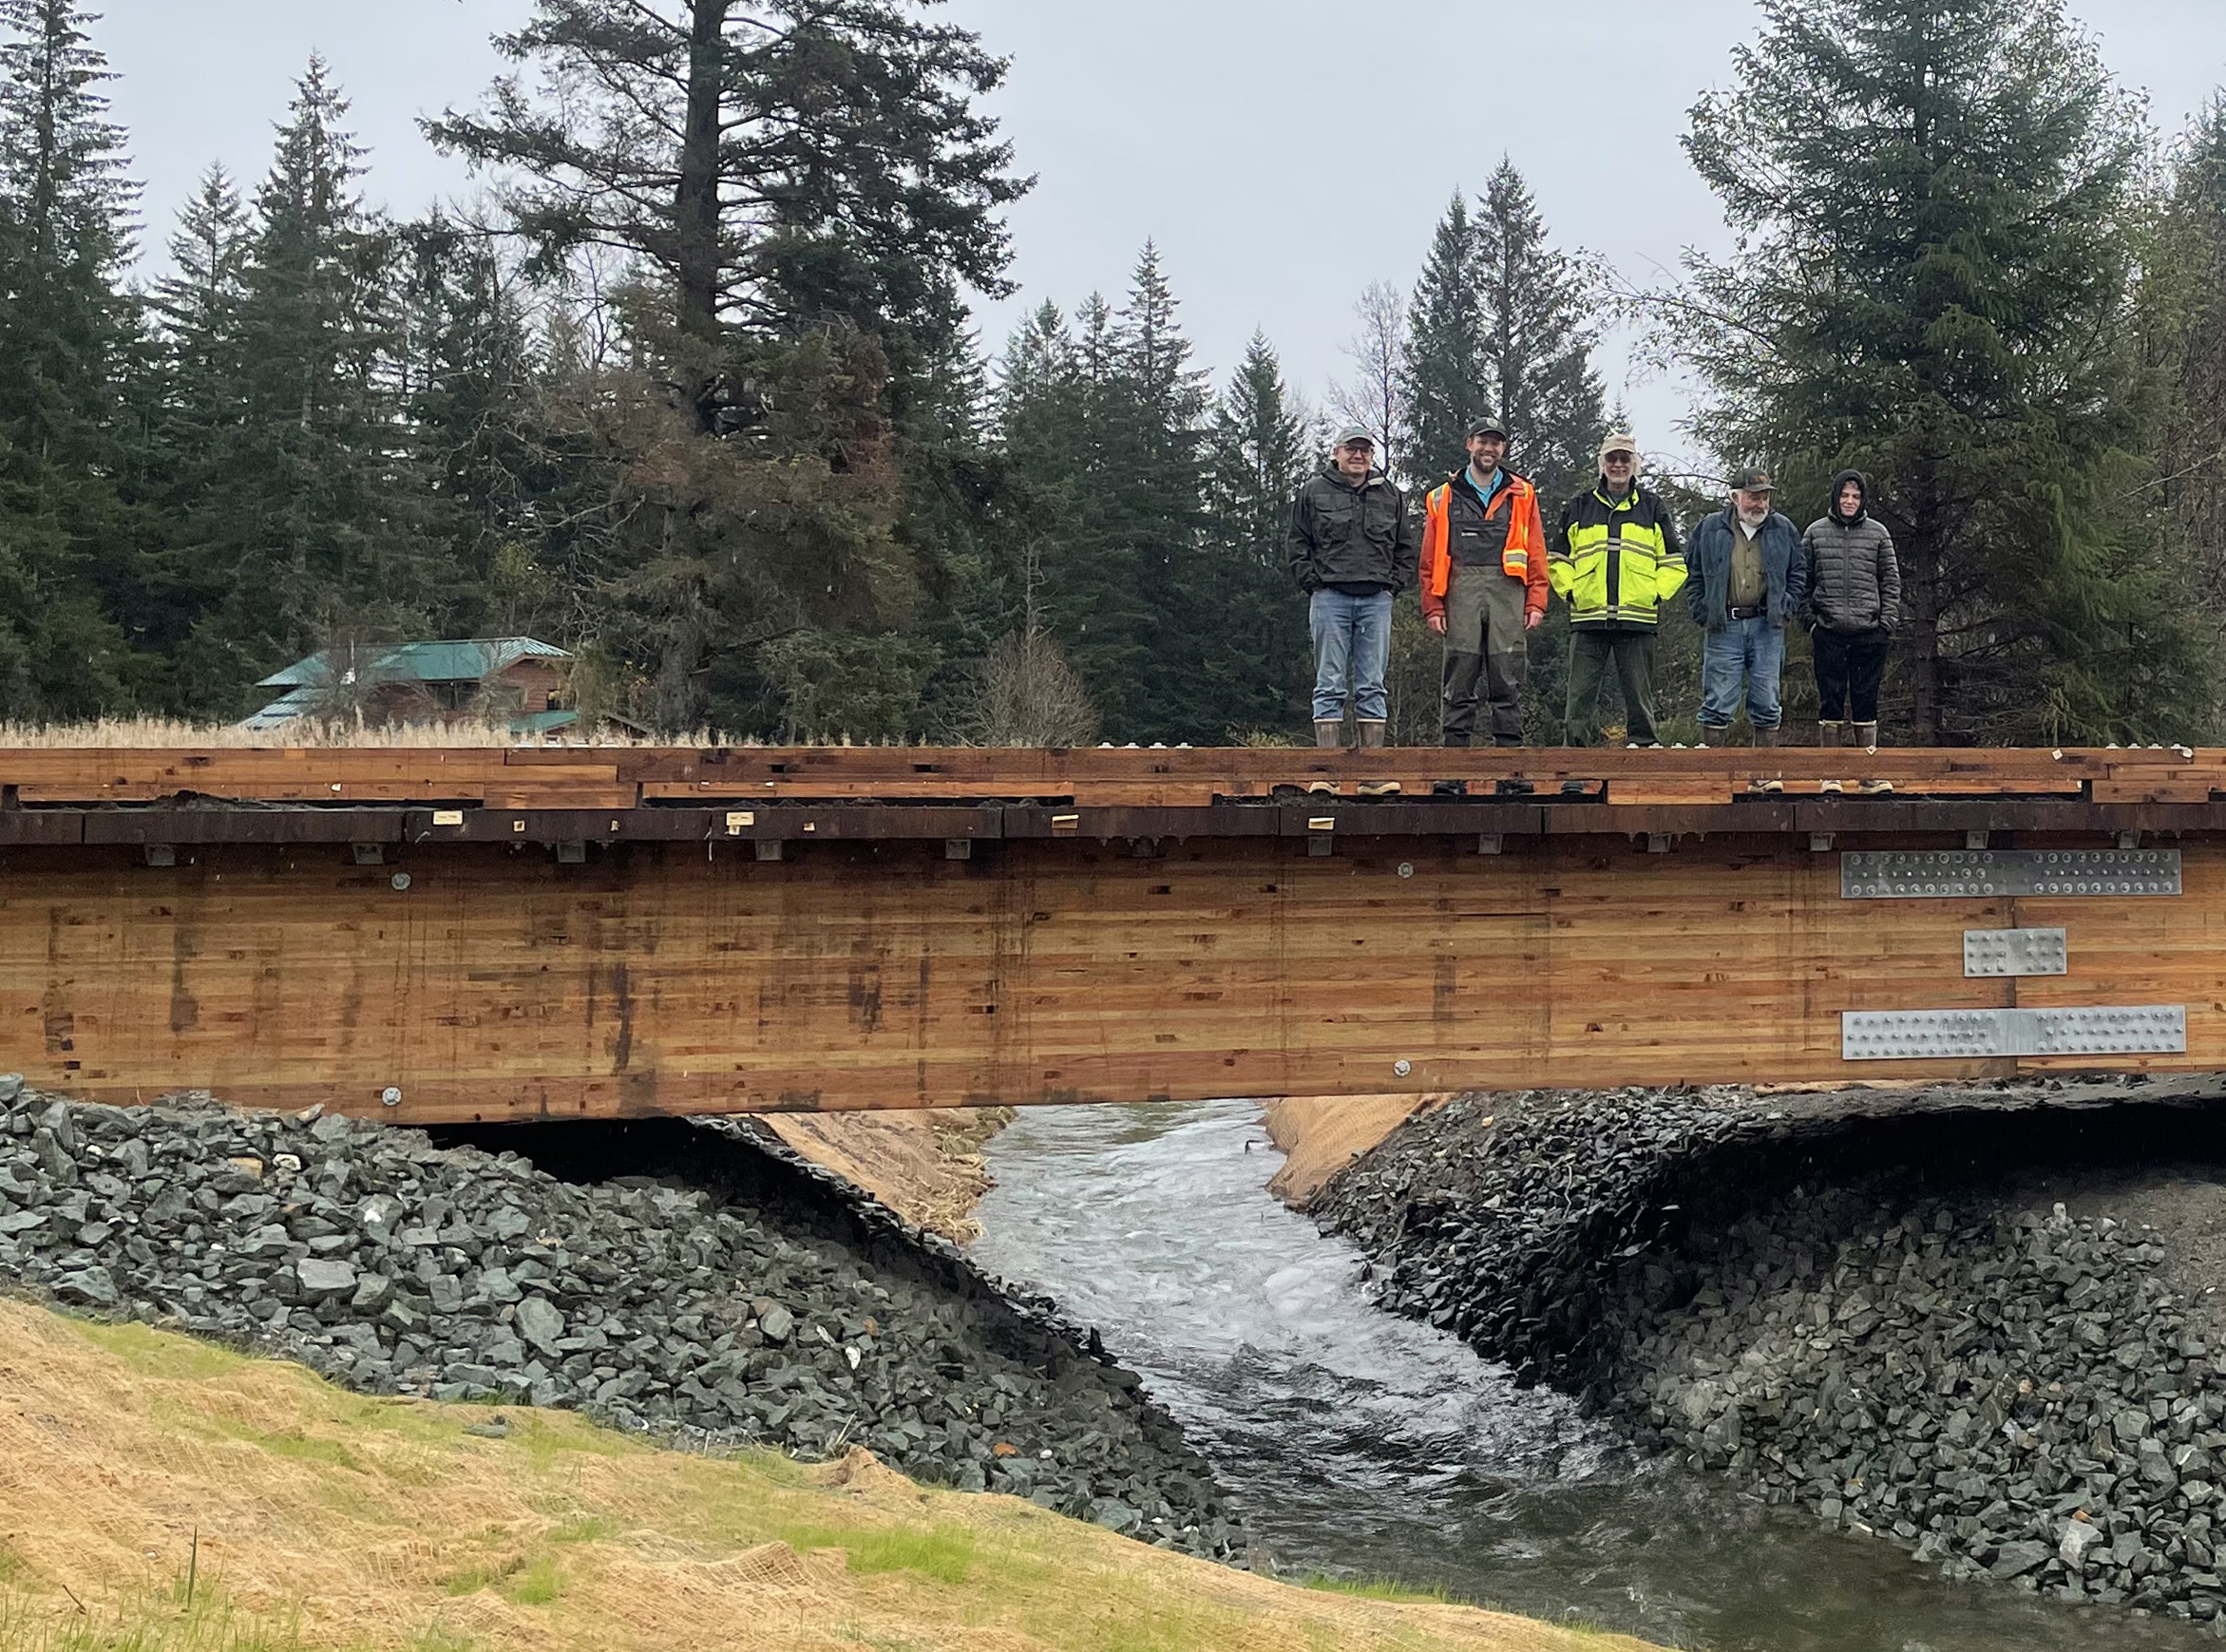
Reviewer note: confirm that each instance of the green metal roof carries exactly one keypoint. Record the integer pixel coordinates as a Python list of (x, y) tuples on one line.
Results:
[(542, 722), (468, 661)]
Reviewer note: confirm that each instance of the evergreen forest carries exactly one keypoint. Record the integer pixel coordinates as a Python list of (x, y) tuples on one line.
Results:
[(692, 388)]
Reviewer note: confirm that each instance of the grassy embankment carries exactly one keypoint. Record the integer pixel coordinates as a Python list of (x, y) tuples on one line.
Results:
[(138, 1469)]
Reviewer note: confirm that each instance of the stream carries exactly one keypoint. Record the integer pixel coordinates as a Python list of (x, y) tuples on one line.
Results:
[(1359, 1444)]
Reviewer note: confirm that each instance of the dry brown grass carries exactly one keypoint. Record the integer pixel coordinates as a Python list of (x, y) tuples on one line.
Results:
[(329, 1520), (161, 733), (927, 1167)]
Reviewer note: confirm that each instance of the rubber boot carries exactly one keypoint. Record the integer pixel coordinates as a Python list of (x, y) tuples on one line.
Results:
[(1766, 738), (1866, 735), (1828, 736), (1371, 736), (1328, 733)]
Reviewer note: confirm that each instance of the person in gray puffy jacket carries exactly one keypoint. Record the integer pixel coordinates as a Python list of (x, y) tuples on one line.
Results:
[(1854, 597)]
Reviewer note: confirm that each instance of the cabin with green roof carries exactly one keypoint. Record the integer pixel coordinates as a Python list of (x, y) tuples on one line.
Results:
[(513, 680)]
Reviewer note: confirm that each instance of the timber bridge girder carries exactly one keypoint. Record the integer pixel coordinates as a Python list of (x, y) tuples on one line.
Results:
[(452, 935)]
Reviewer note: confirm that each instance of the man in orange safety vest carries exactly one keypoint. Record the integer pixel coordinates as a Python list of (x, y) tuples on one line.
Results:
[(1483, 586)]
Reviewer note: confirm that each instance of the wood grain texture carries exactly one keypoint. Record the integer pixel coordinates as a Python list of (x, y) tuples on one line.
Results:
[(604, 777), (688, 976)]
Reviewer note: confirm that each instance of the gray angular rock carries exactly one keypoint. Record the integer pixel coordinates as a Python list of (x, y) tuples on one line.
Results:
[(1114, 1515), (93, 1286), (326, 1278), (540, 1323), (2078, 1536)]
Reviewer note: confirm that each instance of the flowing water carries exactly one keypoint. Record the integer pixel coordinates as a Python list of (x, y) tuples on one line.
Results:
[(1360, 1444)]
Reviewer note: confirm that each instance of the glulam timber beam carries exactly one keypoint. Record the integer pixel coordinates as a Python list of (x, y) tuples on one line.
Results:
[(449, 935)]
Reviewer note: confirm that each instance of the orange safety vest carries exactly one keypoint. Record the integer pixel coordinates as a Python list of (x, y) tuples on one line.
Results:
[(1525, 552)]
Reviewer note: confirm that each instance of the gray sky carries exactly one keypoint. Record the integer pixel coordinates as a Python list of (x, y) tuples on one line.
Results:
[(1284, 153)]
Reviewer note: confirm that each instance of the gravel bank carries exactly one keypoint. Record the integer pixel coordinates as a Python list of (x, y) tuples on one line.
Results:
[(1850, 1304), (732, 1294)]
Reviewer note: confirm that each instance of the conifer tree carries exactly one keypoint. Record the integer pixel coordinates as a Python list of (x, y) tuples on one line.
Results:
[(1939, 218), (194, 430), (1258, 452), (1537, 346), (802, 188), (2187, 275), (776, 163), (66, 336), (314, 522), (1441, 379), (469, 377), (1499, 324)]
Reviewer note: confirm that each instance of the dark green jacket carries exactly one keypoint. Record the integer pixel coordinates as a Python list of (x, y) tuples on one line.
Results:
[(1347, 534)]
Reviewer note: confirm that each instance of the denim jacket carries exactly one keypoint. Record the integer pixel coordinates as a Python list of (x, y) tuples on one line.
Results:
[(1785, 570)]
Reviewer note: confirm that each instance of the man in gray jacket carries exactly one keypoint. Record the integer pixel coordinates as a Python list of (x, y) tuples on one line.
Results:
[(1854, 593), (1353, 545)]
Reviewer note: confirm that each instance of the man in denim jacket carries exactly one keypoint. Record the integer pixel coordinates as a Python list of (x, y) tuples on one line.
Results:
[(1748, 577)]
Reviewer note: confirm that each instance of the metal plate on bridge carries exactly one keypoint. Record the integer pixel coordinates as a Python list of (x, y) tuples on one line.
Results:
[(1960, 1035), (2016, 952), (1964, 874)]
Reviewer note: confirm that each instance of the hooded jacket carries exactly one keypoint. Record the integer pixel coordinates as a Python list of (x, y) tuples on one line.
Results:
[(1855, 579), (1347, 533)]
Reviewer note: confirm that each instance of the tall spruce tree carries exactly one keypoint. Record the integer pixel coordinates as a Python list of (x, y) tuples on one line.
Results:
[(1938, 216), (313, 518), (1537, 346), (470, 373), (195, 425), (775, 161), (66, 333), (1260, 448), (802, 188), (2188, 274), (1441, 373), (1499, 323), (1105, 428)]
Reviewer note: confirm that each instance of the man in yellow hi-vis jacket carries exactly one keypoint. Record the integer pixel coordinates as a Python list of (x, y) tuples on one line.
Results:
[(1616, 559)]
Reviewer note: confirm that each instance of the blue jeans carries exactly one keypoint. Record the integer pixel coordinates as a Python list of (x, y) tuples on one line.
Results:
[(1352, 650), (1753, 649)]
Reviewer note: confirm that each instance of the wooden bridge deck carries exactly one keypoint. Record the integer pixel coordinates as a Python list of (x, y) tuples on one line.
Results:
[(448, 935)]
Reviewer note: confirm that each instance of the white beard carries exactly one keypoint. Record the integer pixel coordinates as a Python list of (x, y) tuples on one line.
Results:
[(1752, 522)]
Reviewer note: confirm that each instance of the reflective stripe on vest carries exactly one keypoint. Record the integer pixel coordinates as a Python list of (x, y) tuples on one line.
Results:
[(1518, 497), (1615, 569)]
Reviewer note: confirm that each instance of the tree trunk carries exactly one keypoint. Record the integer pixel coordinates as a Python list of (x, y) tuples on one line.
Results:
[(1921, 557), (697, 206)]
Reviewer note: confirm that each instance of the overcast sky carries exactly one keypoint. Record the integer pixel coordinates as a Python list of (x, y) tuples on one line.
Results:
[(1284, 153)]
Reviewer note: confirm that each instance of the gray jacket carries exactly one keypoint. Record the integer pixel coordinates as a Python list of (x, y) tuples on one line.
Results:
[(1855, 579)]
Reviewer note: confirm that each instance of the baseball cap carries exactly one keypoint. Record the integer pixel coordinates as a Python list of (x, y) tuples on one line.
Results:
[(1356, 433), (1753, 478), (1490, 425), (1619, 442)]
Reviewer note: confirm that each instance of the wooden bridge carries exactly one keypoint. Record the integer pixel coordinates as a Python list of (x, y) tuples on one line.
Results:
[(433, 934)]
